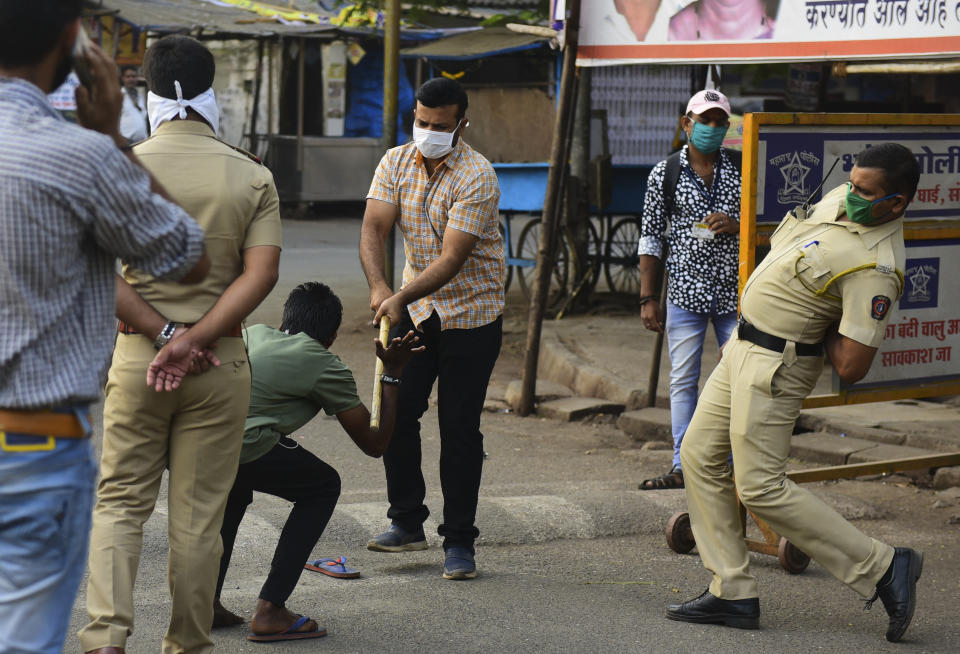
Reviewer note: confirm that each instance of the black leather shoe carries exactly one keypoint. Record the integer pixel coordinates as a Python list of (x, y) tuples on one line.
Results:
[(899, 594), (710, 609)]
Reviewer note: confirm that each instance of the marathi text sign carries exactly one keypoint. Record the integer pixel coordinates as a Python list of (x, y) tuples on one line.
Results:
[(922, 335), (791, 162), (624, 31)]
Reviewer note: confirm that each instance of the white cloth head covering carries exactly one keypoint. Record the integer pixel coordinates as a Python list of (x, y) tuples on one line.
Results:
[(160, 109)]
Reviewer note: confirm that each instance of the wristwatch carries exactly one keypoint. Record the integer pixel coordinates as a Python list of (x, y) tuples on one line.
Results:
[(389, 381), (165, 335)]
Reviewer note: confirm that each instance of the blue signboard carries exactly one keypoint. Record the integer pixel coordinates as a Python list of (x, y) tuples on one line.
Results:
[(792, 161)]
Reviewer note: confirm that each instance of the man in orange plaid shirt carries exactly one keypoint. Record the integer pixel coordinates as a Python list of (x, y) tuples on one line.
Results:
[(443, 196)]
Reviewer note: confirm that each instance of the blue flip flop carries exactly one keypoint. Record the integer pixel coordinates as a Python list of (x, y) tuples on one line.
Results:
[(289, 634), (333, 567)]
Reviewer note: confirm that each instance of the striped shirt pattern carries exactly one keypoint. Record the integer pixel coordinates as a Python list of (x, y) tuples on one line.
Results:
[(462, 194), (70, 204)]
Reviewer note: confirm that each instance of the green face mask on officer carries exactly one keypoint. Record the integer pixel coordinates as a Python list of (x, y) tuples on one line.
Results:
[(860, 210)]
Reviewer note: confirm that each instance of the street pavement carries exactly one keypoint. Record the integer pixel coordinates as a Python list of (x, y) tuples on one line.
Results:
[(572, 557)]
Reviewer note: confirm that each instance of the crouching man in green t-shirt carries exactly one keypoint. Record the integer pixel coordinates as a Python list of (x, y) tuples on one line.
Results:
[(294, 376)]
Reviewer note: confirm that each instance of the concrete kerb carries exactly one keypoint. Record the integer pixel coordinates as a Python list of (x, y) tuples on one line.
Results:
[(651, 424), (558, 363), (947, 478), (571, 409), (809, 423), (821, 447)]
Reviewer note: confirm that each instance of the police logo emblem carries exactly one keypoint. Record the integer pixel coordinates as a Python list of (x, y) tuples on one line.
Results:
[(710, 96), (879, 307)]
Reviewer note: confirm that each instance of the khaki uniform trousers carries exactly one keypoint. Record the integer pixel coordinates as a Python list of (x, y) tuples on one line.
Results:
[(196, 432), (749, 406)]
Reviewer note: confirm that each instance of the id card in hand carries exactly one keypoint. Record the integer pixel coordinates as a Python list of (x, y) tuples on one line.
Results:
[(703, 231)]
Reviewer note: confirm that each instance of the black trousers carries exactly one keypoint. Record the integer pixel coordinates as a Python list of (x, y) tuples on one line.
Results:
[(295, 474), (460, 361)]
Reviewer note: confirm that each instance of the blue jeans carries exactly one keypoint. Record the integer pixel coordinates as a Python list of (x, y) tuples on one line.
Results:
[(46, 499), (685, 333)]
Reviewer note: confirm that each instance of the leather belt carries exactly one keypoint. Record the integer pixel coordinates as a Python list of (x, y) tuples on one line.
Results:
[(124, 328), (747, 332), (44, 423)]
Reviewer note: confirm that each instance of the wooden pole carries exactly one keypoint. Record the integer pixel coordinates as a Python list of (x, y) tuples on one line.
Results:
[(301, 74), (551, 211), (255, 113), (377, 371), (654, 379), (391, 68), (578, 204), (270, 90)]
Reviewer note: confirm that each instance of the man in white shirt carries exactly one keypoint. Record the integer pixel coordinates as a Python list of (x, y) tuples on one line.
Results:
[(133, 118)]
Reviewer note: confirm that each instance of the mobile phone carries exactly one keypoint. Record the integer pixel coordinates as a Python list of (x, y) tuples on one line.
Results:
[(81, 64)]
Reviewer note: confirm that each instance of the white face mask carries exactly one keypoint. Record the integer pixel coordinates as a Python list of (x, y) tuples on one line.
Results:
[(434, 145)]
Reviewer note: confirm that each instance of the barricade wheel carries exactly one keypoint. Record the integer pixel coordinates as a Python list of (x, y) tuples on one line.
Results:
[(791, 558), (621, 261), (679, 535), (589, 271), (528, 245)]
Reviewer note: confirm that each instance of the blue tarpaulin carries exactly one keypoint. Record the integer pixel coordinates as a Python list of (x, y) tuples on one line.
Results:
[(365, 100)]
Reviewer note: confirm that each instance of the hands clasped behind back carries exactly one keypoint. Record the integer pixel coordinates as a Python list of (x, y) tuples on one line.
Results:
[(178, 358)]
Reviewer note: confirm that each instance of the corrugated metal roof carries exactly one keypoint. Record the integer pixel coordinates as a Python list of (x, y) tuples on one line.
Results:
[(224, 19), (476, 44), (192, 15), (503, 4)]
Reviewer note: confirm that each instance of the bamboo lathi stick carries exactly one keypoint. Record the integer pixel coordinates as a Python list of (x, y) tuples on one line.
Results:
[(377, 371)]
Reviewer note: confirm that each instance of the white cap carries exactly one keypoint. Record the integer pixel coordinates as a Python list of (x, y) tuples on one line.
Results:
[(708, 99)]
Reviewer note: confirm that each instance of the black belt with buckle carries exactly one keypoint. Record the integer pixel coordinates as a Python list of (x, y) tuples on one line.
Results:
[(747, 332)]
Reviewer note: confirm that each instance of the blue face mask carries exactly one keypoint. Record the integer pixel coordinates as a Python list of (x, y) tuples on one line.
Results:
[(707, 139)]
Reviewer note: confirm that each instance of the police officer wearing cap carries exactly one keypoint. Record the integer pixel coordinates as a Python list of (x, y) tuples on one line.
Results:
[(826, 286)]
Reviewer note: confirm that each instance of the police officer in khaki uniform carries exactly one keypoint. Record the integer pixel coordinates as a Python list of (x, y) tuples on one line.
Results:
[(195, 429), (827, 284)]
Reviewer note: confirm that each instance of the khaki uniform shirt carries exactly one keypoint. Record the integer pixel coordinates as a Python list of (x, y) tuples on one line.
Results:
[(821, 270), (232, 197)]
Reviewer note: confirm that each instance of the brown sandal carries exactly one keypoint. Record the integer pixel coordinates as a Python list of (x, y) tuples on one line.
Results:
[(668, 481)]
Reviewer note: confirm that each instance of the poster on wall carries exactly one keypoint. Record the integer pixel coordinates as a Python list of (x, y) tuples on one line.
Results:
[(64, 98), (124, 40), (334, 57), (716, 31)]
